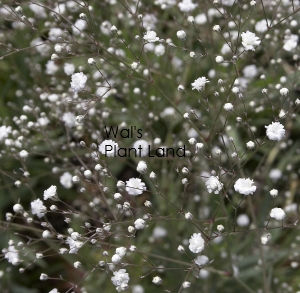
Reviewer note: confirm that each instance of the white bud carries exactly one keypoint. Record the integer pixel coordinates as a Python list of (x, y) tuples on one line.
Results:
[(91, 61), (181, 35), (113, 29), (274, 192), (43, 277), (188, 216), (87, 174), (219, 59), (157, 280)]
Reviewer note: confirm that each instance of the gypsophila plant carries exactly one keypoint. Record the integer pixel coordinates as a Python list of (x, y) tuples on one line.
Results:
[(149, 146)]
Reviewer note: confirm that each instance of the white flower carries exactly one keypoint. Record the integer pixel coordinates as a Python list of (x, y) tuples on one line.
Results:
[(12, 255), (50, 192), (54, 291), (261, 26), (135, 186), (66, 180), (181, 35), (244, 186), (186, 6), (121, 251), (275, 131), (18, 208), (78, 82), (264, 240), (277, 214), (116, 258), (228, 107), (199, 83), (23, 154), (69, 68), (220, 228), (249, 41), (43, 277), (4, 131), (108, 148), (150, 37), (213, 184), (219, 59), (284, 92), (159, 50), (120, 279), (243, 220), (196, 243), (69, 119), (274, 192), (157, 280), (201, 260), (38, 208), (250, 145), (140, 224), (290, 42), (74, 245), (275, 174), (91, 61), (141, 167)]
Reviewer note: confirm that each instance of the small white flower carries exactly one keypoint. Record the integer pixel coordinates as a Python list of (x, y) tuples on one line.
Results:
[(23, 154), (50, 192), (284, 92), (113, 29), (121, 251), (249, 41), (142, 167), (135, 186), (43, 277), (116, 258), (220, 228), (46, 234), (199, 83), (277, 214), (38, 208), (66, 180), (188, 216), (181, 35), (250, 145), (186, 284), (78, 82), (17, 208), (274, 192), (275, 131), (217, 28), (219, 59), (134, 65), (12, 255), (244, 186), (228, 107), (157, 280), (120, 278), (213, 184), (186, 6), (150, 37), (77, 264), (69, 119), (264, 240), (196, 243), (140, 224), (201, 260), (191, 19)]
